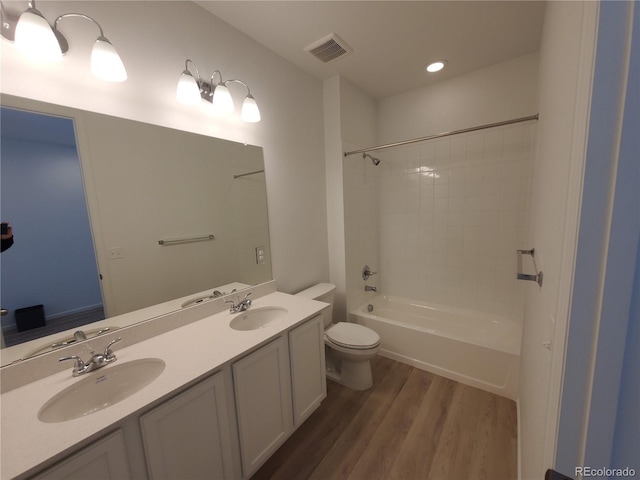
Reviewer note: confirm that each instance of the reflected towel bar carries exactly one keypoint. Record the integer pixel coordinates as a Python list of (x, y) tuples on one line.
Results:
[(537, 277), (177, 241), (246, 174)]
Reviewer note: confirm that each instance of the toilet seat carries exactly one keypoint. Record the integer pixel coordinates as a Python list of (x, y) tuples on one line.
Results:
[(352, 335)]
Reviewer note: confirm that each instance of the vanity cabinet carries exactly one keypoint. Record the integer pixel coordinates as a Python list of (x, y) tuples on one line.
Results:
[(224, 426), (308, 378), (262, 386), (188, 436), (276, 388), (105, 459)]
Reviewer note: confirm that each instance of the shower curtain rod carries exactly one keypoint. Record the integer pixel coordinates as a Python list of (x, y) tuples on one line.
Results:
[(444, 134)]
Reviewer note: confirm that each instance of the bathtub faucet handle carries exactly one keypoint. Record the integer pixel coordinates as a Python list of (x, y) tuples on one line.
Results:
[(368, 288), (366, 272)]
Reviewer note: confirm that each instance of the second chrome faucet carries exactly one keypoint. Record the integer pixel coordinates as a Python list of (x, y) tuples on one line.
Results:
[(241, 306)]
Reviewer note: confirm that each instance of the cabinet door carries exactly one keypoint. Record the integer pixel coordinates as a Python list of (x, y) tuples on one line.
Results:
[(308, 379), (105, 459), (263, 403), (187, 437)]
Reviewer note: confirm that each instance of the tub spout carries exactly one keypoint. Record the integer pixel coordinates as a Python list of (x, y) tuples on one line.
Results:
[(368, 288)]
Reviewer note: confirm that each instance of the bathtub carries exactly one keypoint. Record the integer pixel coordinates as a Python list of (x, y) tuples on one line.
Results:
[(477, 349)]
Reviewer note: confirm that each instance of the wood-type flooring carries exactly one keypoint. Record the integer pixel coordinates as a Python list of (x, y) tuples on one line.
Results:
[(412, 425)]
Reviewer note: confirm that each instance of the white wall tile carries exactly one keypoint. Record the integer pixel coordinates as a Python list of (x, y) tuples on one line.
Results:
[(452, 213)]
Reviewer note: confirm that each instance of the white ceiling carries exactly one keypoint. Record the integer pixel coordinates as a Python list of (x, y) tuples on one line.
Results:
[(392, 40)]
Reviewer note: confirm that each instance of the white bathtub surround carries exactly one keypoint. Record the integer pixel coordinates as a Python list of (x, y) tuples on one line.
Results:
[(452, 214), (481, 350)]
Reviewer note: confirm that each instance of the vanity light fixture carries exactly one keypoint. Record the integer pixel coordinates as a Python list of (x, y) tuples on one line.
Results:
[(192, 90), (41, 42)]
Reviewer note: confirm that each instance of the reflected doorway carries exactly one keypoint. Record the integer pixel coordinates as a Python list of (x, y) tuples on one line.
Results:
[(52, 261)]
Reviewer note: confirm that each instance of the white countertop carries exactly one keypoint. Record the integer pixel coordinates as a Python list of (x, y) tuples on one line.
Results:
[(11, 354), (189, 353)]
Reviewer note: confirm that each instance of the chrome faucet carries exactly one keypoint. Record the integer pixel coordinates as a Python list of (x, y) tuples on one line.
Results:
[(97, 360), (241, 306), (367, 288), (218, 293)]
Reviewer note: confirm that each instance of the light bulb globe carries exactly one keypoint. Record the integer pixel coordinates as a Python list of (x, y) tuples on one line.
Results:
[(188, 91), (222, 101), (250, 111), (34, 37), (106, 63)]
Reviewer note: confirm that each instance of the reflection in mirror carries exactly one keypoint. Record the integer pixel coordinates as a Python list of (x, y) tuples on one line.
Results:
[(43, 199), (172, 215)]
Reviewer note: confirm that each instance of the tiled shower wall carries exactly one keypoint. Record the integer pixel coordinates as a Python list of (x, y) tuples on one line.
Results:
[(451, 214)]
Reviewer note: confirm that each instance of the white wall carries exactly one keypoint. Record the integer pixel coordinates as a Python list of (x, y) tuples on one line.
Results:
[(552, 226), (154, 39), (335, 211), (350, 118), (493, 94), (358, 121)]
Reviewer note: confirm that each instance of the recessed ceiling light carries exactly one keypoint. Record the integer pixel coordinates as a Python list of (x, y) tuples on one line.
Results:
[(436, 66)]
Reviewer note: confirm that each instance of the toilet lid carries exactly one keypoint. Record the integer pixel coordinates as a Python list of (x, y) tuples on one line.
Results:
[(352, 335)]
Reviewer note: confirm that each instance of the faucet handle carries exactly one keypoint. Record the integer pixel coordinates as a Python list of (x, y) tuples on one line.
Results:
[(366, 273), (108, 354), (78, 367)]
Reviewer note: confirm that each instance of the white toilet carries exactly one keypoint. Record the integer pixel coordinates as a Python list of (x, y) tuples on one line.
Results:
[(348, 346)]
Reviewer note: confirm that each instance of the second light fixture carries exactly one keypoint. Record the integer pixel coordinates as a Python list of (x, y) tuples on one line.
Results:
[(193, 90)]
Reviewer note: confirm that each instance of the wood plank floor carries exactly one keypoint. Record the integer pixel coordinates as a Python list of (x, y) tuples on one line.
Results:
[(412, 425)]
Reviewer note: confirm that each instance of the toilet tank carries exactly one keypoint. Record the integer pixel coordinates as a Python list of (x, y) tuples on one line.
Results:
[(322, 292)]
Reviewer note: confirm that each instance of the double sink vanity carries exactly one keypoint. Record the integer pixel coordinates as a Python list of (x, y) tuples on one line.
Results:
[(203, 392)]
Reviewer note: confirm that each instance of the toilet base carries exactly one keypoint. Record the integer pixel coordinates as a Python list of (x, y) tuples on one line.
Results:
[(353, 375)]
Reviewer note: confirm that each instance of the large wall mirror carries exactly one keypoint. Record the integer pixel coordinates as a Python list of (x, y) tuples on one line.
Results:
[(111, 216)]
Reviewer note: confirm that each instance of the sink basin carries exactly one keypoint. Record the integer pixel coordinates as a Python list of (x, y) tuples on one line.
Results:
[(257, 318), (101, 389)]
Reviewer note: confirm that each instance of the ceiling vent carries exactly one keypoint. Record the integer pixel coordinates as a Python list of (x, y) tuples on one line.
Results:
[(329, 48)]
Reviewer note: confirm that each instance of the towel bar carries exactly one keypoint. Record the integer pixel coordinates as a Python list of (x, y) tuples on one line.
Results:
[(536, 277), (177, 241)]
